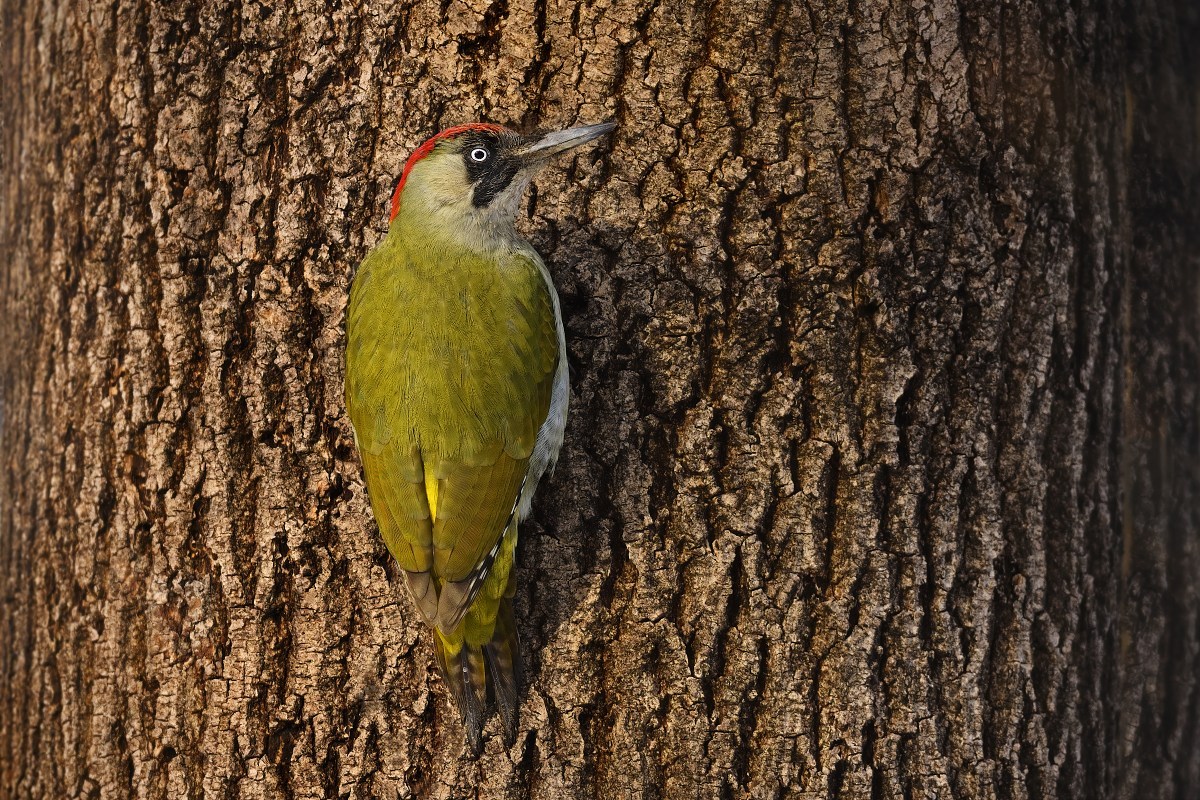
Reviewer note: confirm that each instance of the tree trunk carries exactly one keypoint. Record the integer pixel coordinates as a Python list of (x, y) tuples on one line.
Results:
[(882, 478)]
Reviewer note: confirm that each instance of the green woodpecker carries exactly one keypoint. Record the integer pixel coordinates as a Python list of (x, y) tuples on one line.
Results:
[(456, 384)]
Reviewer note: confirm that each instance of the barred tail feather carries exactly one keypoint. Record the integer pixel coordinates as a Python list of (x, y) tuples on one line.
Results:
[(467, 672), (464, 674), (504, 663)]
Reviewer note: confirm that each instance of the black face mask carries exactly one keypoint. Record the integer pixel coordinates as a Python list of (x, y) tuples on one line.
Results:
[(491, 165)]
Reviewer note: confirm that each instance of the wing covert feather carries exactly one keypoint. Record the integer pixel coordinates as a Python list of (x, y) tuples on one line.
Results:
[(450, 371)]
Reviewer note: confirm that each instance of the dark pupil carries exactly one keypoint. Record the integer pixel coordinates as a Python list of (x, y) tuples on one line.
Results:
[(490, 169)]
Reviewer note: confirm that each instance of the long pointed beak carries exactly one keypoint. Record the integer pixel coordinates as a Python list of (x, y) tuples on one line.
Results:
[(561, 141)]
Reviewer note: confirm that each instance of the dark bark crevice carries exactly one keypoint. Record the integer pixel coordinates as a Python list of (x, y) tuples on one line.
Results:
[(881, 477)]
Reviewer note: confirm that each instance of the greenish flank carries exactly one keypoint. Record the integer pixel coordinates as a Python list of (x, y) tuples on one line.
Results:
[(449, 371)]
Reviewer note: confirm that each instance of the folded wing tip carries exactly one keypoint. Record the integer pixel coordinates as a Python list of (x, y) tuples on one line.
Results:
[(420, 586)]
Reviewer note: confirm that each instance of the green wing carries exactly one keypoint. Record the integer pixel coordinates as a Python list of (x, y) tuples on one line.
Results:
[(449, 373)]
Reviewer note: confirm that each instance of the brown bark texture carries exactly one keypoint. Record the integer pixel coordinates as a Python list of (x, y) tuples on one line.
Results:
[(881, 479)]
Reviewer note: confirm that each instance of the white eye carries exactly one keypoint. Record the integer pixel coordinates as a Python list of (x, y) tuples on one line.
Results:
[(479, 155)]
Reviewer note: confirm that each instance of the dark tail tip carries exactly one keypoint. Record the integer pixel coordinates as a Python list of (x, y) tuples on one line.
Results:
[(466, 676), (504, 662)]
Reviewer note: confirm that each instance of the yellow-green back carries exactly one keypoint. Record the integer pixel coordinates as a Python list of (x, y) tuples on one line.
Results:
[(450, 365)]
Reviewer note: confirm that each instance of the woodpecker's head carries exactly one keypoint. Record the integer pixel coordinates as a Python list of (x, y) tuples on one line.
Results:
[(471, 177)]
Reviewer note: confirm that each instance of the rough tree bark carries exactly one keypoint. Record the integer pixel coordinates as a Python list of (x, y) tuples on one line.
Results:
[(881, 479)]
